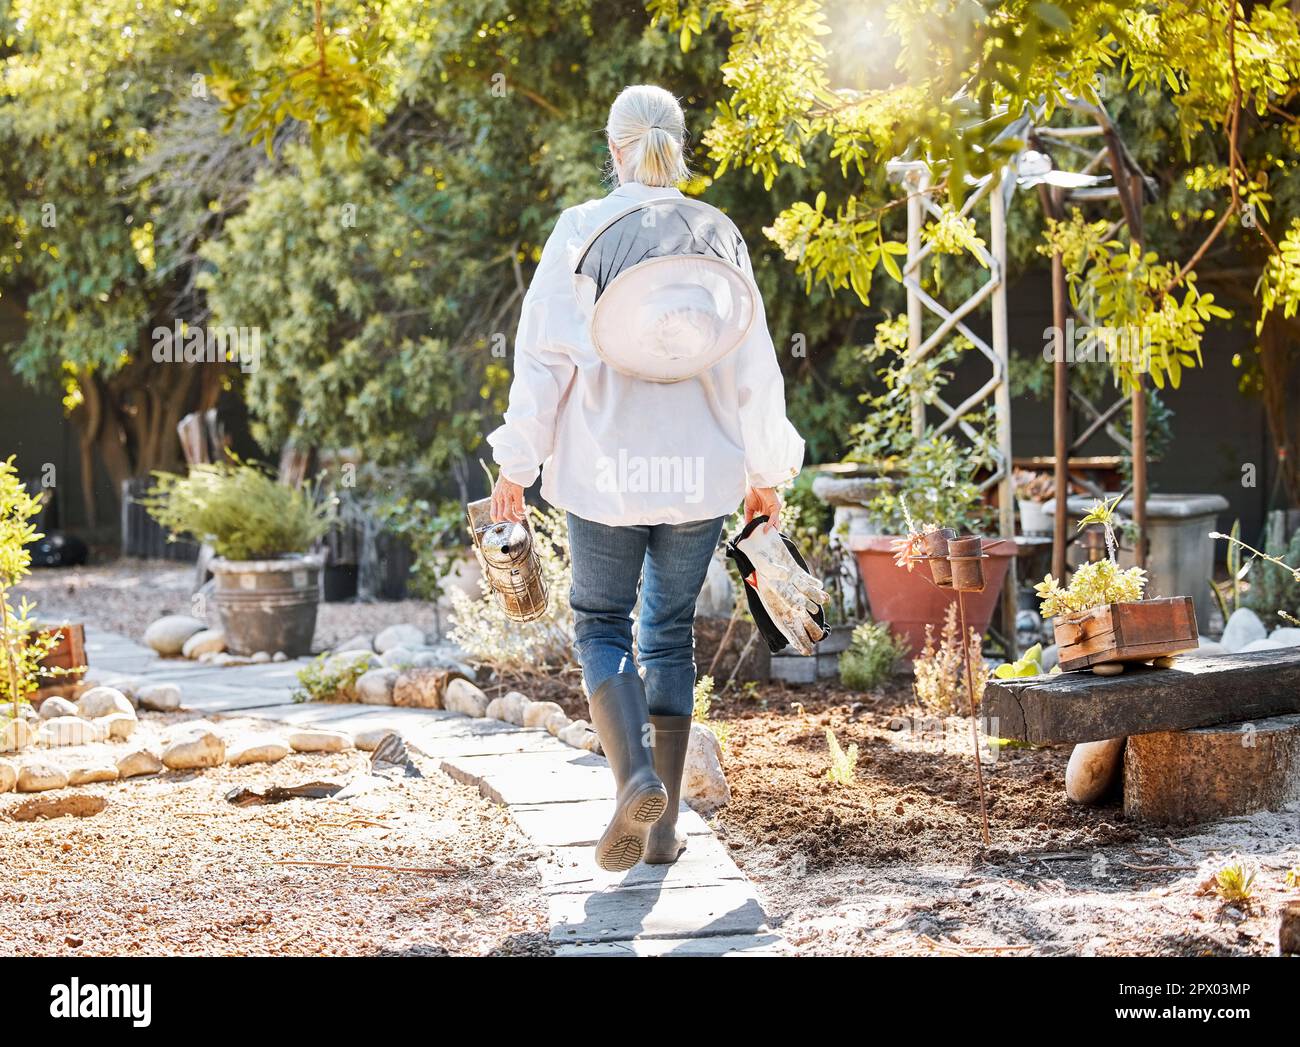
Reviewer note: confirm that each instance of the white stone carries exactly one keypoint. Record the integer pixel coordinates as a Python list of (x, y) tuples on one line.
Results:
[(256, 748), (704, 786), (260, 657), (118, 727), (1050, 657), (8, 776), (318, 740), (16, 735), (1092, 770), (575, 734), (206, 657), (160, 697), (397, 657), (1243, 627), (36, 776), (360, 642), (537, 713), (369, 739), (376, 686), (509, 708), (56, 706), (399, 636), (167, 635), (103, 701), (1262, 644), (138, 762), (1208, 648), (555, 723), (192, 745), (464, 697), (1287, 636), (70, 730), (279, 656), (209, 641), (89, 773)]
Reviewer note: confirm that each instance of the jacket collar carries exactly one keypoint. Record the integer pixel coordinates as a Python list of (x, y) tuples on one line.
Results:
[(639, 191)]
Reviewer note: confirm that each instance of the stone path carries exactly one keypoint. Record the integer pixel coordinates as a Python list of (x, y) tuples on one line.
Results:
[(559, 796)]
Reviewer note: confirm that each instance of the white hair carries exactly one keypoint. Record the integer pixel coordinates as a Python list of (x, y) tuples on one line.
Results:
[(647, 125)]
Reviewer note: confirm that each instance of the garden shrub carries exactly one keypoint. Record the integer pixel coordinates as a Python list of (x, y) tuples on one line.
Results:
[(939, 670), (871, 656)]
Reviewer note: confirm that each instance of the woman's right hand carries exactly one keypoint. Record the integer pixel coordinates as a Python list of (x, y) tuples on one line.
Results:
[(507, 501), (763, 501)]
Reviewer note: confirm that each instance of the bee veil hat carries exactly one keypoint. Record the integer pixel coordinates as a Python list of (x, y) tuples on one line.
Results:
[(666, 289)]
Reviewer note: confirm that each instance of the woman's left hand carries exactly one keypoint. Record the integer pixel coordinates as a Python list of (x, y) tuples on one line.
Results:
[(507, 501)]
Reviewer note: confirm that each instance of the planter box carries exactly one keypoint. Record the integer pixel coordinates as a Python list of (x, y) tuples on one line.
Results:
[(1126, 632), (69, 654)]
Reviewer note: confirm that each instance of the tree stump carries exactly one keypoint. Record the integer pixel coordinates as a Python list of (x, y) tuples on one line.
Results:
[(1184, 777)]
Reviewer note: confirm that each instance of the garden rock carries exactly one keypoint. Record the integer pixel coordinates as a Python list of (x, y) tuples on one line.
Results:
[(580, 735), (399, 636), (420, 688), (89, 773), (194, 745), (318, 740), (160, 697), (167, 635), (376, 686), (360, 642), (16, 735), (209, 641), (1261, 645), (509, 708), (118, 727), (464, 697), (37, 776), (1243, 628), (1208, 648), (704, 786), (279, 656), (256, 748), (103, 701), (139, 762), (555, 723), (1093, 769), (537, 713), (8, 776), (1287, 636), (260, 657), (368, 740), (56, 706), (70, 730), (397, 657), (1050, 658)]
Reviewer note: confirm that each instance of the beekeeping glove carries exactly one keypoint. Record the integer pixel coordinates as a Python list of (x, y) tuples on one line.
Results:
[(785, 600)]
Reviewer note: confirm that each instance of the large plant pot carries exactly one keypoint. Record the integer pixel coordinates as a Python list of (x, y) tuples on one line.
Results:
[(268, 605), (909, 601)]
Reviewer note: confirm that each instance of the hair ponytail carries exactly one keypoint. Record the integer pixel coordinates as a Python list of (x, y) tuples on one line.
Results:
[(647, 125)]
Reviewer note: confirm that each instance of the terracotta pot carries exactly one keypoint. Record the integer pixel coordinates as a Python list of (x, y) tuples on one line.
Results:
[(909, 601)]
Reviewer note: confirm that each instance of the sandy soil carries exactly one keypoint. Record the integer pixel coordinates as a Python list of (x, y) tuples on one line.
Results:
[(170, 868)]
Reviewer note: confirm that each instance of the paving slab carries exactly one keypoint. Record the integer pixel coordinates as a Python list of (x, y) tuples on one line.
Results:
[(580, 824), (706, 861), (768, 944), (629, 913), (546, 776)]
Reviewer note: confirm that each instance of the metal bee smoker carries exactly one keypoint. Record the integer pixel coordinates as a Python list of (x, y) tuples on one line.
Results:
[(507, 553)]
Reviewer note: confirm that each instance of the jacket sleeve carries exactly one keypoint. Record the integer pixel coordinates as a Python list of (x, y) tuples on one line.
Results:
[(773, 447), (548, 330)]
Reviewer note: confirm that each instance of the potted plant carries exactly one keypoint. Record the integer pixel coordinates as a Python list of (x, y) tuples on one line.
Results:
[(267, 585), (1100, 620), (1032, 490), (932, 477)]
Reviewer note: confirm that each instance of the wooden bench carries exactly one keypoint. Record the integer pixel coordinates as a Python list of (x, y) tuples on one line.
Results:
[(1215, 736)]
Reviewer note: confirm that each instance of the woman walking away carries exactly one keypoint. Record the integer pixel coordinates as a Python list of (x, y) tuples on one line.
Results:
[(647, 392)]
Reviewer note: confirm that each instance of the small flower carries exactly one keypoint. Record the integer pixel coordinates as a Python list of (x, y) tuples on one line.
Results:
[(906, 550)]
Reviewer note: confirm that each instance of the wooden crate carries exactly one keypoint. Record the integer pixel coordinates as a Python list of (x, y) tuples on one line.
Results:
[(1126, 632), (69, 654)]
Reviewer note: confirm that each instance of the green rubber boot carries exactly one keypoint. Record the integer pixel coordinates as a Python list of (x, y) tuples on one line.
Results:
[(672, 737), (620, 716)]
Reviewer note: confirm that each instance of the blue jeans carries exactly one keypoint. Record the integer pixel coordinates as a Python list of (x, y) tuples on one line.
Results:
[(669, 563)]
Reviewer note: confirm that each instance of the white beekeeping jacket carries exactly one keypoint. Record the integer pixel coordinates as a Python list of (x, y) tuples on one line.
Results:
[(627, 394)]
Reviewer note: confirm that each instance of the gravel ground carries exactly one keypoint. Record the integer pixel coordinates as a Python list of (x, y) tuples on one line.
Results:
[(125, 595), (170, 868)]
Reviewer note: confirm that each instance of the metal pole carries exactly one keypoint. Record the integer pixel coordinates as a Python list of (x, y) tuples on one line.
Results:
[(1060, 421), (1002, 405), (974, 714)]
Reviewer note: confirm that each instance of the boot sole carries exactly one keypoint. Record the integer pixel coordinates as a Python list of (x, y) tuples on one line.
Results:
[(623, 843)]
